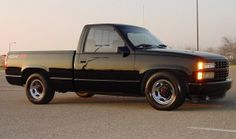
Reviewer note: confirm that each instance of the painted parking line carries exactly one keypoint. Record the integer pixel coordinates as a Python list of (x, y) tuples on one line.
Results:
[(213, 129)]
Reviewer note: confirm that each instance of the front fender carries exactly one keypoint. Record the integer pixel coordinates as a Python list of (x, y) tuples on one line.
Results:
[(166, 67)]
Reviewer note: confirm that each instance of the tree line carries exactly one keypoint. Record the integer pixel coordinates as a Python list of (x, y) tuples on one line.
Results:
[(227, 49)]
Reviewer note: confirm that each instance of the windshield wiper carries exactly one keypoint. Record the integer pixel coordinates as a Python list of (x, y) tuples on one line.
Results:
[(161, 46), (148, 46), (142, 46)]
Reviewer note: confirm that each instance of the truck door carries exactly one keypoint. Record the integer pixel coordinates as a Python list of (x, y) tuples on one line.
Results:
[(100, 67)]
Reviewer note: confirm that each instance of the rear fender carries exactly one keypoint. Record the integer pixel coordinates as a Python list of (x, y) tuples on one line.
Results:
[(34, 67), (27, 71)]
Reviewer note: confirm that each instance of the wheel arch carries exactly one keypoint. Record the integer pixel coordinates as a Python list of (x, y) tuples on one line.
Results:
[(179, 73), (26, 72)]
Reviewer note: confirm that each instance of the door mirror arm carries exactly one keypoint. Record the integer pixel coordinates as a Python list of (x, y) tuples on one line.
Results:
[(123, 50)]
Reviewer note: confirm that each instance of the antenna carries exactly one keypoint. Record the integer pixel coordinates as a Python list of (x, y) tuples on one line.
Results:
[(197, 23), (143, 16)]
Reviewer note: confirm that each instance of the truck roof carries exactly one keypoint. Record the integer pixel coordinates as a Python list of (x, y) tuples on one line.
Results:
[(111, 24)]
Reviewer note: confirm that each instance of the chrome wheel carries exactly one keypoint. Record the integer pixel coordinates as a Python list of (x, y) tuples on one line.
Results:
[(163, 92), (37, 89)]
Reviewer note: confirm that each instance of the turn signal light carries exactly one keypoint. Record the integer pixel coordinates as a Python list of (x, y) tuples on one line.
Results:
[(200, 65)]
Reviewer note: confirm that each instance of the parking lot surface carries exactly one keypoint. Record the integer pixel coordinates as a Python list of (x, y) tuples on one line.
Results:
[(69, 116)]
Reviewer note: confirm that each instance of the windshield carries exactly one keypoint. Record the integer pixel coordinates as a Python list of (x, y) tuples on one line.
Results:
[(140, 37)]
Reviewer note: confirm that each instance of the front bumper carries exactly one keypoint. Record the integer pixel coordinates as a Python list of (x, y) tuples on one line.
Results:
[(211, 90)]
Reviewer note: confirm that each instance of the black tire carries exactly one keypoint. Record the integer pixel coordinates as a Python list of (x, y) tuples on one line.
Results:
[(38, 90), (84, 94), (164, 91)]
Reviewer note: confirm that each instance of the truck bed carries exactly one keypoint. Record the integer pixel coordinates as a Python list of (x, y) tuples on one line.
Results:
[(58, 64)]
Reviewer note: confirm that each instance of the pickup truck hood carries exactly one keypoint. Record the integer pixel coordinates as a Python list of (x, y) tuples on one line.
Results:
[(184, 53)]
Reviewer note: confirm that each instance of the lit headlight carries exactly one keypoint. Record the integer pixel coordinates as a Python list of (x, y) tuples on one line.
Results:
[(202, 65), (205, 75)]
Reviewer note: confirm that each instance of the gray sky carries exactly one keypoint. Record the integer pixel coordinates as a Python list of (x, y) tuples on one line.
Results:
[(57, 24)]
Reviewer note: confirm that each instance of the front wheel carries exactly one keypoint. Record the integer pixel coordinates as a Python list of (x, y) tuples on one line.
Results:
[(164, 91), (38, 90)]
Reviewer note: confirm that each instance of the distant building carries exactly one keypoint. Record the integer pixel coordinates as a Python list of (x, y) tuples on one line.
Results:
[(2, 60)]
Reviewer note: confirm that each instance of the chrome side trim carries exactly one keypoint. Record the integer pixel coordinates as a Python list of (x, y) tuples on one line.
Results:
[(13, 76), (98, 80), (60, 78)]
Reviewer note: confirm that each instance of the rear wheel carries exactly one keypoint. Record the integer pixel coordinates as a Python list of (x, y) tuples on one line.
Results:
[(84, 94), (164, 91), (38, 90)]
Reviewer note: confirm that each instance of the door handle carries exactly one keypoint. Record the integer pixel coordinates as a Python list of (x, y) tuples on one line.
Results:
[(82, 61)]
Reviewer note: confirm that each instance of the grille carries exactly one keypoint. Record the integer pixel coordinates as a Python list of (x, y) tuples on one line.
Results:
[(221, 70), (221, 64), (221, 74)]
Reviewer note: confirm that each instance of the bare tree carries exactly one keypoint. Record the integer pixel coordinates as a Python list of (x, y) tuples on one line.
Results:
[(211, 50), (229, 47)]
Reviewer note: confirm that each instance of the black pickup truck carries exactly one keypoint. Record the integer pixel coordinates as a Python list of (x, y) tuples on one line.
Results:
[(116, 59)]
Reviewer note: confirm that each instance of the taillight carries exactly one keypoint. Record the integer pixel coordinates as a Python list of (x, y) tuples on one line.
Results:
[(5, 62)]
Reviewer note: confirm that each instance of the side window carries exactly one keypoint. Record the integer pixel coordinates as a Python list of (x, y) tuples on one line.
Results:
[(103, 39)]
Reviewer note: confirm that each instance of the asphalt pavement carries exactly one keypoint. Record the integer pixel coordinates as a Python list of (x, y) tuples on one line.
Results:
[(69, 116)]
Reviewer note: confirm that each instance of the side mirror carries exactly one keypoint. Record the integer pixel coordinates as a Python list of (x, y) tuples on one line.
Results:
[(123, 50)]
